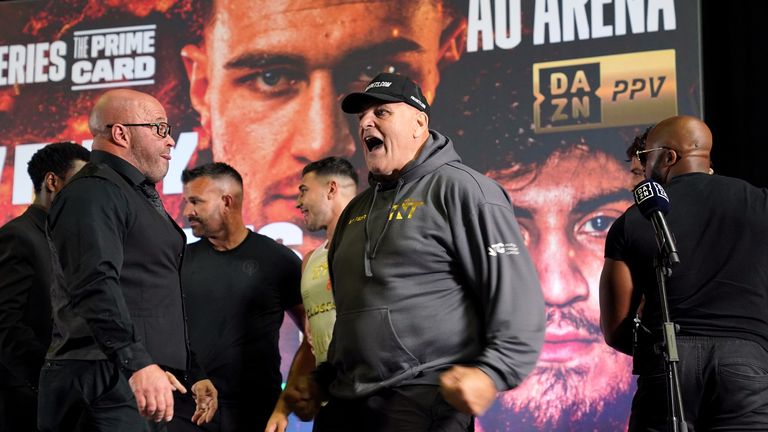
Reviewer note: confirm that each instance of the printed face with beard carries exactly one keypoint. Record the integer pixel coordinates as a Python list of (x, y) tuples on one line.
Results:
[(564, 207)]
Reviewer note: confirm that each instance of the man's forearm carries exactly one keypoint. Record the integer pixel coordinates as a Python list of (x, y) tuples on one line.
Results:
[(303, 361)]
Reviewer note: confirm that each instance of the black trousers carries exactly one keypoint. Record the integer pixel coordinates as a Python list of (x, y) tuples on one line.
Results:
[(88, 396), (411, 408), (724, 386), (241, 415), (18, 409)]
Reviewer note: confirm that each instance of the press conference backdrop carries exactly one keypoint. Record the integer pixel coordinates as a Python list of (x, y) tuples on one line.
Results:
[(543, 95)]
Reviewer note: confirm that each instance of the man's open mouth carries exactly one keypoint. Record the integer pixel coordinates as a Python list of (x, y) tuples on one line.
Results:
[(372, 142)]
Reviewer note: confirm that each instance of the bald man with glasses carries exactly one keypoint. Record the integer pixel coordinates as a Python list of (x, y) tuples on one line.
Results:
[(119, 340), (717, 294)]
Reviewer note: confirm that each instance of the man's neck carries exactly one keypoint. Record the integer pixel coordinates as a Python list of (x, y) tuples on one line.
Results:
[(331, 228), (231, 239), (44, 200), (335, 218)]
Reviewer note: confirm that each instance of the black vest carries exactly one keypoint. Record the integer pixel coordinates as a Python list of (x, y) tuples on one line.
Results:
[(149, 279)]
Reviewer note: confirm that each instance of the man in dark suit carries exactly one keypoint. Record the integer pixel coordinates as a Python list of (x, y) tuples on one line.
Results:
[(119, 333), (25, 280)]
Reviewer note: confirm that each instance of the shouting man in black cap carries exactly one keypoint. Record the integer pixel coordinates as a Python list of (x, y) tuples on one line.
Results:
[(438, 303)]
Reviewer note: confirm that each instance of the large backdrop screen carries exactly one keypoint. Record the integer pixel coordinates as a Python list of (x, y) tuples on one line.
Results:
[(544, 96)]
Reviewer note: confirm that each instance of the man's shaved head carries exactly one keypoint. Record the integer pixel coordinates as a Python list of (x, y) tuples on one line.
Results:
[(685, 144), (120, 106), (130, 136)]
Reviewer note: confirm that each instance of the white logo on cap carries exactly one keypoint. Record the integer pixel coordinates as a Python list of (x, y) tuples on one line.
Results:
[(421, 104), (378, 84), (497, 249)]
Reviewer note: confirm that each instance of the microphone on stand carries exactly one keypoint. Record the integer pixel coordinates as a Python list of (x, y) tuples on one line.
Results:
[(653, 203)]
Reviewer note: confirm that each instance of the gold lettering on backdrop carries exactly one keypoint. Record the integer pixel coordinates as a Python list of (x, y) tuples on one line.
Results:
[(606, 91)]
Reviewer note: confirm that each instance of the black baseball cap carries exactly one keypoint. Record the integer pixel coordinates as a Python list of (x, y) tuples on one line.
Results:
[(386, 87)]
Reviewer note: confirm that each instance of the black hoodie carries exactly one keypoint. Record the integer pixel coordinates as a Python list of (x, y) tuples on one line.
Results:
[(428, 272)]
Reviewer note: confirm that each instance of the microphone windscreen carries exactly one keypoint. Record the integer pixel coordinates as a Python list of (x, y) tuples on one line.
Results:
[(650, 197)]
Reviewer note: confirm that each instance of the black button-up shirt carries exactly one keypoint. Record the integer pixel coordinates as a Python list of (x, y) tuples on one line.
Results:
[(116, 292)]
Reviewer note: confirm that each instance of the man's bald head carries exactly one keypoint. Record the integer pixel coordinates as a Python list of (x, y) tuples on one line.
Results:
[(685, 134), (126, 123), (688, 143), (121, 106)]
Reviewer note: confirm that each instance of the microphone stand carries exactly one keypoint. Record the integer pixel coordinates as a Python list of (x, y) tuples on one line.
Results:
[(663, 263)]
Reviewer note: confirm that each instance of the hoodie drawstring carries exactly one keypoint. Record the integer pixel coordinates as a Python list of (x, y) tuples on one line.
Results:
[(370, 255)]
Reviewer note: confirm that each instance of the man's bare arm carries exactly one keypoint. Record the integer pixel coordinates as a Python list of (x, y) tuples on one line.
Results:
[(617, 309)]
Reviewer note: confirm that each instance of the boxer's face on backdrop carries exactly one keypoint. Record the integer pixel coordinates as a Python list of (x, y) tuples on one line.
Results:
[(565, 207), (270, 76)]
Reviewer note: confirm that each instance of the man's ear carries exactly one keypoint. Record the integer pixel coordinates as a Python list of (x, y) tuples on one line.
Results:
[(422, 124), (671, 157), (196, 64), (453, 41), (228, 200), (52, 182), (121, 136), (333, 189)]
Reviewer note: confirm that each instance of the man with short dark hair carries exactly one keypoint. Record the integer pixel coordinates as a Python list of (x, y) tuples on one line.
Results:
[(438, 303), (238, 286), (717, 294), (635, 167), (326, 188), (25, 282), (119, 332)]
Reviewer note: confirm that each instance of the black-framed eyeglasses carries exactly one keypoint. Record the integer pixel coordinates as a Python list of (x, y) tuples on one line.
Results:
[(163, 129), (641, 154)]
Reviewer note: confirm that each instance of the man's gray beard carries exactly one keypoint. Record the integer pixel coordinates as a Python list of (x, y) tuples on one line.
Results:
[(551, 393)]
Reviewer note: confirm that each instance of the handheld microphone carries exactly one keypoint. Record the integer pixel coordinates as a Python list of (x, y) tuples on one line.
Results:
[(653, 203)]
